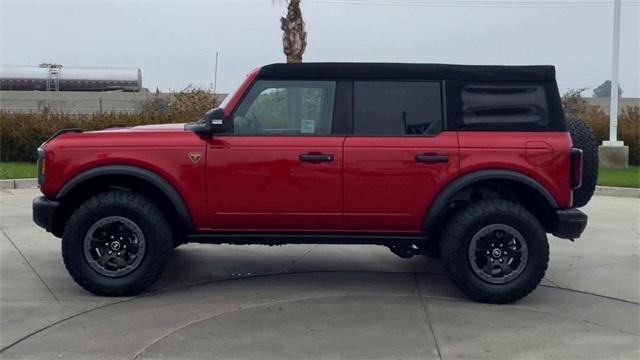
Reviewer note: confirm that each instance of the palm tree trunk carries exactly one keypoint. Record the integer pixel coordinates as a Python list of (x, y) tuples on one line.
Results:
[(294, 37)]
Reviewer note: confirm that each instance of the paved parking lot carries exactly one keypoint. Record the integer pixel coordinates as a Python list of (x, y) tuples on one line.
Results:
[(307, 301)]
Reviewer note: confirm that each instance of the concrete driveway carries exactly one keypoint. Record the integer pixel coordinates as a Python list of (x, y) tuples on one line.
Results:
[(306, 301)]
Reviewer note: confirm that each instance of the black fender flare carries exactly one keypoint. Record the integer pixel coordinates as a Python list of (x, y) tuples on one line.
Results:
[(154, 179), (441, 201)]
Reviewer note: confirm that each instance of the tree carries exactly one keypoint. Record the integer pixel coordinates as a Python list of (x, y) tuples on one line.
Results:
[(604, 90), (294, 37)]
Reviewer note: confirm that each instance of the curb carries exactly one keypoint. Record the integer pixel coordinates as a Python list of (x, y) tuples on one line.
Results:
[(617, 191), (600, 190), (18, 184)]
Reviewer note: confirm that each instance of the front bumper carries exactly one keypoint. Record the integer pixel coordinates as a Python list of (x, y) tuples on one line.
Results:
[(44, 211), (571, 223)]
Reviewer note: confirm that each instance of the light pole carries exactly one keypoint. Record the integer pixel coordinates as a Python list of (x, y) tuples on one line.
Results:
[(615, 65), (613, 153)]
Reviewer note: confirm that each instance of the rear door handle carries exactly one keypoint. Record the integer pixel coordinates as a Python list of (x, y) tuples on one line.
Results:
[(315, 158), (432, 158)]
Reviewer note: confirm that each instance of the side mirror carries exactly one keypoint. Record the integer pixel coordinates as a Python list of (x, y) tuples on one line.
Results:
[(212, 123)]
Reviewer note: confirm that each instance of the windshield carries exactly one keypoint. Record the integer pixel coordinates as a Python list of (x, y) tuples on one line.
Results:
[(222, 105), (238, 92), (226, 99)]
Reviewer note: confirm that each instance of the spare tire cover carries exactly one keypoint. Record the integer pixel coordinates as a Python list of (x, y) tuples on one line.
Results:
[(583, 138)]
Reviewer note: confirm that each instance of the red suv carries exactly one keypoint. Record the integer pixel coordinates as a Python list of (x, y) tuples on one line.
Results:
[(474, 164)]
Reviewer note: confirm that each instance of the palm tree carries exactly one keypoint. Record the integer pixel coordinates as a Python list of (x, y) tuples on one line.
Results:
[(294, 37)]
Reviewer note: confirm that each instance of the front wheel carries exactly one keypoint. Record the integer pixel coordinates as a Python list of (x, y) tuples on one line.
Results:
[(116, 243), (495, 251)]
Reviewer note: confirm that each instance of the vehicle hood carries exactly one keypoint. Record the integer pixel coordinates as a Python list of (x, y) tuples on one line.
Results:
[(132, 137), (144, 128)]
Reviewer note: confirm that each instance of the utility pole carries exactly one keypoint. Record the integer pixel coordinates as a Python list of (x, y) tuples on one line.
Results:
[(614, 153)]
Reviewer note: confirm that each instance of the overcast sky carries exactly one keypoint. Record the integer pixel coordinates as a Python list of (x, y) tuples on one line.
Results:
[(174, 43)]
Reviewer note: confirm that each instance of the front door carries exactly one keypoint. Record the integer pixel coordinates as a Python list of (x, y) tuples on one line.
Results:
[(398, 158), (281, 167)]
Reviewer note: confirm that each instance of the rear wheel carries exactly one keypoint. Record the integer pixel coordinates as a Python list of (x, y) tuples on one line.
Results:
[(584, 138), (495, 251), (116, 243)]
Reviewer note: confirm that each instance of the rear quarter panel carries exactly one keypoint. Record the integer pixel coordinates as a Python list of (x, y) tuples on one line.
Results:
[(543, 156)]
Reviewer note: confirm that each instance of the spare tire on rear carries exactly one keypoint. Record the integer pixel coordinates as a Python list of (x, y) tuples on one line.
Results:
[(583, 138)]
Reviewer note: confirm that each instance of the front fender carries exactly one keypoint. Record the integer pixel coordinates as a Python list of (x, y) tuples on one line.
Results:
[(148, 176)]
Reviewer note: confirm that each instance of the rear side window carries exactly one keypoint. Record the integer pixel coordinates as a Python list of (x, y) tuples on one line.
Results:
[(503, 105), (397, 108)]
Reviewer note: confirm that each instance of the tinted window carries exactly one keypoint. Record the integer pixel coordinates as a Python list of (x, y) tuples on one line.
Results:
[(397, 108), (504, 105), (286, 108)]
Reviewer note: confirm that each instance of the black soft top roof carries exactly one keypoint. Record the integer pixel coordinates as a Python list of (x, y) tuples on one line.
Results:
[(407, 71)]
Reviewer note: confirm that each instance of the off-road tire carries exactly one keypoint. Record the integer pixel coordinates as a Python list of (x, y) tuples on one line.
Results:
[(584, 138), (132, 206), (457, 237)]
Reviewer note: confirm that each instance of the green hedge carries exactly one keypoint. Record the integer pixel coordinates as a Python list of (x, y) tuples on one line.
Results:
[(628, 121), (628, 128), (21, 134)]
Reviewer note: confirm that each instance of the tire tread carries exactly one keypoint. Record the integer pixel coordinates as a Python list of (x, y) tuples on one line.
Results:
[(133, 201), (453, 238)]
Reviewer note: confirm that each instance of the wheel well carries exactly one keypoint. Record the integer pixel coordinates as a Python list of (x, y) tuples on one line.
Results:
[(508, 189), (99, 184)]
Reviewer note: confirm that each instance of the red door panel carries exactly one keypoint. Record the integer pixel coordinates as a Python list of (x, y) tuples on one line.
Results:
[(259, 183), (386, 189)]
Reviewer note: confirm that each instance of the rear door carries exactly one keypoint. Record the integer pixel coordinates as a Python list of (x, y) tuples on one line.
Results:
[(280, 168), (398, 158)]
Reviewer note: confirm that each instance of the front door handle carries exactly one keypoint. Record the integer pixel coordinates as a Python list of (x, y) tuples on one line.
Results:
[(432, 158), (315, 158)]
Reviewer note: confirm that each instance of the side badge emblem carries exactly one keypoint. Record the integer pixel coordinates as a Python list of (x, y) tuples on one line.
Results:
[(195, 157)]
